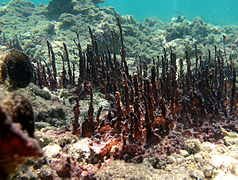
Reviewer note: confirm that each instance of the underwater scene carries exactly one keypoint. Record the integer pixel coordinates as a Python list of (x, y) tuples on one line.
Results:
[(116, 89)]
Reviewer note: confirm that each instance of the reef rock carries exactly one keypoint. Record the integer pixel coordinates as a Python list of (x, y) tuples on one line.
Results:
[(56, 7), (98, 1), (20, 111), (16, 145)]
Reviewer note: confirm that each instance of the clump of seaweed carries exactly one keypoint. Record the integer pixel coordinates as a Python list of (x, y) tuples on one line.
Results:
[(154, 109), (16, 69), (16, 145)]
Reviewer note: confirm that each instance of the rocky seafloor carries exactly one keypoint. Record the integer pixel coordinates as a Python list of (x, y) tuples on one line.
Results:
[(27, 27), (195, 161), (145, 39)]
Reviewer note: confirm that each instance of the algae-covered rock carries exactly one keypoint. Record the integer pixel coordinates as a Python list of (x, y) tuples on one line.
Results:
[(151, 161), (231, 138), (20, 8), (42, 93), (16, 145), (52, 150), (19, 110), (56, 7), (178, 29), (54, 116), (50, 29), (67, 20), (15, 69), (193, 146), (98, 1)]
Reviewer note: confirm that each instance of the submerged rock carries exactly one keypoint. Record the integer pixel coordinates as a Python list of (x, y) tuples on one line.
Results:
[(56, 7), (98, 1), (16, 145), (20, 111), (67, 20), (193, 146)]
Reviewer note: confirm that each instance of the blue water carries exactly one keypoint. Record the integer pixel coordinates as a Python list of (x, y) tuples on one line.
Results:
[(212, 11)]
